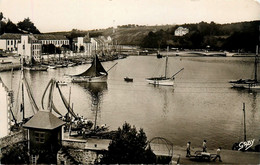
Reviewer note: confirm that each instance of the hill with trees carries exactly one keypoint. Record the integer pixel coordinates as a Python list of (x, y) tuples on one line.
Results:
[(242, 36)]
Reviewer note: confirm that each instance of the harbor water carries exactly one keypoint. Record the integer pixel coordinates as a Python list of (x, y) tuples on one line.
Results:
[(201, 105)]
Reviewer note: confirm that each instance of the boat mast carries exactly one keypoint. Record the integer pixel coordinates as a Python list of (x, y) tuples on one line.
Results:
[(22, 72), (244, 121), (166, 61), (22, 105), (256, 61)]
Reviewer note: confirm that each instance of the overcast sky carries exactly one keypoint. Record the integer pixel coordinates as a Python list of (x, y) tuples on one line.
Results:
[(65, 15)]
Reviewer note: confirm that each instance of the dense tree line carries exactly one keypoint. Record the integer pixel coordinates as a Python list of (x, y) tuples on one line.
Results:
[(242, 36), (25, 26)]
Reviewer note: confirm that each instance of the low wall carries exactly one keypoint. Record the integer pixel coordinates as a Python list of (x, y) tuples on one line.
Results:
[(13, 138), (74, 144)]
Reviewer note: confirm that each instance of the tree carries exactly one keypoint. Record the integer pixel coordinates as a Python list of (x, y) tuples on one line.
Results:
[(129, 146), (10, 27), (1, 16), (28, 26)]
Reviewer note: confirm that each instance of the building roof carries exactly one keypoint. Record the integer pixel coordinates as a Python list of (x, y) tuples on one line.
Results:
[(11, 36), (44, 120), (50, 37)]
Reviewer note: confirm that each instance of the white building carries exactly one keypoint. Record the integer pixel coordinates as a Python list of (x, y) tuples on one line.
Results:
[(4, 110), (57, 40), (181, 31), (101, 44), (9, 41), (83, 45), (29, 47)]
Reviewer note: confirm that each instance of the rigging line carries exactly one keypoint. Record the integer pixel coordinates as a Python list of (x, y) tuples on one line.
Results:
[(29, 92), (45, 93), (50, 95), (55, 109), (70, 110), (18, 93)]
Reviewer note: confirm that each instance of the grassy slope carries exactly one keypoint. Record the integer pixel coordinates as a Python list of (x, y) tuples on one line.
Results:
[(125, 36)]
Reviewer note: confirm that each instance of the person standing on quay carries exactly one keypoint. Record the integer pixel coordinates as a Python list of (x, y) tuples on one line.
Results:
[(188, 149), (204, 146), (218, 155)]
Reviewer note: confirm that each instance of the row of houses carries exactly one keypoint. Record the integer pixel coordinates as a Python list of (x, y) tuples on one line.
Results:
[(30, 45)]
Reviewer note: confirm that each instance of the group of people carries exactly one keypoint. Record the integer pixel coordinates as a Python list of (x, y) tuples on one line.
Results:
[(204, 149)]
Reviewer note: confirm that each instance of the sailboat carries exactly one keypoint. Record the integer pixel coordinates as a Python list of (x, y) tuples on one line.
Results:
[(95, 73), (20, 106), (248, 83), (163, 80), (240, 146)]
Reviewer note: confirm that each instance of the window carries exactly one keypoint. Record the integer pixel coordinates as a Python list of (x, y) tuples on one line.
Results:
[(11, 42), (8, 42), (39, 137)]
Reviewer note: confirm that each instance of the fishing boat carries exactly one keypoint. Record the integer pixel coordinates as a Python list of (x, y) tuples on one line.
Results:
[(62, 83), (95, 73), (248, 83), (163, 80), (34, 66)]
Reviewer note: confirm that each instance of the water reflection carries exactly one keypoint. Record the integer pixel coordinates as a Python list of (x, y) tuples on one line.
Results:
[(165, 92), (96, 91)]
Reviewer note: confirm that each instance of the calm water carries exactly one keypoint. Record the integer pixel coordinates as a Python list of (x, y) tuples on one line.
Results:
[(200, 106)]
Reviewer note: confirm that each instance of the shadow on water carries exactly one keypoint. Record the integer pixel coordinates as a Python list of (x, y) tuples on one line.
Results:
[(96, 92)]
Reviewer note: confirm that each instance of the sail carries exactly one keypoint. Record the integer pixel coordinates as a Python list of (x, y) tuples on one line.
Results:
[(96, 69)]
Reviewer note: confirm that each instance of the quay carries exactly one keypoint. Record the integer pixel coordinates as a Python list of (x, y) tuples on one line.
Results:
[(227, 156)]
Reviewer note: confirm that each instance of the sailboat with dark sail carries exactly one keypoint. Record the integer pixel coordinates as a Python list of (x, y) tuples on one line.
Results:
[(95, 73), (248, 83)]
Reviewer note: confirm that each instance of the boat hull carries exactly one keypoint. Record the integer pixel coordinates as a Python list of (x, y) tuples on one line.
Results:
[(36, 68), (82, 79), (246, 85), (164, 82)]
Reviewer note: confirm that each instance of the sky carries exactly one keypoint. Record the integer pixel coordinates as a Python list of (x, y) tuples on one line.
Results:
[(65, 15)]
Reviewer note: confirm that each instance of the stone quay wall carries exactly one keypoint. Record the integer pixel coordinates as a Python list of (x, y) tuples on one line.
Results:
[(74, 144), (78, 151), (14, 138)]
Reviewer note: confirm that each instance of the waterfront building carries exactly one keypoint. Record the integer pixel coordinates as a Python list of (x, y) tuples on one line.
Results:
[(44, 135), (82, 45), (101, 45), (9, 42), (56, 40), (181, 31), (29, 47), (90, 46)]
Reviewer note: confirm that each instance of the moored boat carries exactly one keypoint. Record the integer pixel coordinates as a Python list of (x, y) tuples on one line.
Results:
[(128, 79), (95, 73), (248, 83), (163, 80)]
